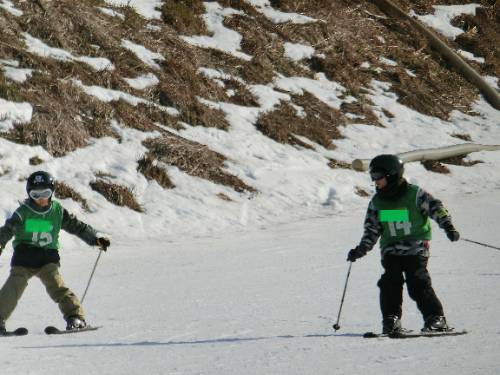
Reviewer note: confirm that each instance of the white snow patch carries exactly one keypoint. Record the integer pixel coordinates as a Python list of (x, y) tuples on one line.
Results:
[(223, 39), (277, 16), (109, 95), (386, 61), (443, 15), (471, 57), (327, 91), (39, 48), (297, 52), (149, 9), (142, 82), (111, 12), (12, 113), (143, 54), (9, 7)]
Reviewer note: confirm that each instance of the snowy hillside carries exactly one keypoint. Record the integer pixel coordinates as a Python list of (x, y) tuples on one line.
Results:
[(227, 130), (271, 155)]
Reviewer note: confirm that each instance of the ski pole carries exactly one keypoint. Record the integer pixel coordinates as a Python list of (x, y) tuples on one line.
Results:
[(91, 275), (336, 326), (480, 243)]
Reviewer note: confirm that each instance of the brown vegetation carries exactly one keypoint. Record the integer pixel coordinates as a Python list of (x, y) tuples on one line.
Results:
[(116, 194)]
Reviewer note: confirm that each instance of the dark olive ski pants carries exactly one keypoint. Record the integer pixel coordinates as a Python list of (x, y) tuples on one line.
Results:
[(16, 283)]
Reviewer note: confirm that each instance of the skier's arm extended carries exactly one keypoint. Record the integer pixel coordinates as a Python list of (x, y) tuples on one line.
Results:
[(430, 206), (9, 229), (74, 226), (372, 229)]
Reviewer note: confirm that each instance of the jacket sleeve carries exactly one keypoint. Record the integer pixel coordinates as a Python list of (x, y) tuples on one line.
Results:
[(372, 229), (74, 226), (9, 229), (430, 206)]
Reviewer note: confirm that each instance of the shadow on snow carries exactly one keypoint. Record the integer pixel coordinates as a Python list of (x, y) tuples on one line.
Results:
[(192, 342)]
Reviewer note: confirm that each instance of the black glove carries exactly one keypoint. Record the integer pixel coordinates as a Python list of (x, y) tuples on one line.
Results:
[(451, 232), (103, 243), (356, 253)]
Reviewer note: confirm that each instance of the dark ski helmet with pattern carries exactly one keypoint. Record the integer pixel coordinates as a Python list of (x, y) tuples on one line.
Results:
[(40, 180), (389, 166)]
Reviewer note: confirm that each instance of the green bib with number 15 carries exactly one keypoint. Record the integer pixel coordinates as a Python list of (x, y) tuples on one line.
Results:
[(40, 229), (401, 219)]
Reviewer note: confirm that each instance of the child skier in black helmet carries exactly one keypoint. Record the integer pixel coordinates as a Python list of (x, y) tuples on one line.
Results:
[(35, 226), (399, 214)]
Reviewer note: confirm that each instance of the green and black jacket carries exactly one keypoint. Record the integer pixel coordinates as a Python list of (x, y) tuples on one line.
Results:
[(36, 233), (403, 238)]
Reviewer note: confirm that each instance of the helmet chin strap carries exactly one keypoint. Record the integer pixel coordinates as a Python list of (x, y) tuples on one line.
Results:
[(393, 188)]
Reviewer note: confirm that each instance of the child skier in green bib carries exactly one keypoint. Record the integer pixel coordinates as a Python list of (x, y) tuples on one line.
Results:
[(399, 214), (35, 226)]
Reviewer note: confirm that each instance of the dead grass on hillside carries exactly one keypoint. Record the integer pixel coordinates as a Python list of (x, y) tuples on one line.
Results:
[(320, 123), (63, 191), (482, 36), (147, 165), (194, 159), (58, 123), (182, 87), (184, 16), (117, 194)]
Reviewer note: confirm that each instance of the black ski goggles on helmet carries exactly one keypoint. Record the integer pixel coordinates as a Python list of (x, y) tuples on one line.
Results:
[(40, 194), (377, 175)]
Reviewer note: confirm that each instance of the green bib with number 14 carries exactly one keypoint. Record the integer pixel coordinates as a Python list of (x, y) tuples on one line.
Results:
[(40, 229), (401, 219)]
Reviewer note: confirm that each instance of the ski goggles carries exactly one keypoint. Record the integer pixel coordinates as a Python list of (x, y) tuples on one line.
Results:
[(377, 175), (40, 194)]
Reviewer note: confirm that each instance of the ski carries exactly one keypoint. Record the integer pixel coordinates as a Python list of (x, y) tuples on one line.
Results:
[(450, 332), (51, 330), (21, 331), (369, 335), (408, 334)]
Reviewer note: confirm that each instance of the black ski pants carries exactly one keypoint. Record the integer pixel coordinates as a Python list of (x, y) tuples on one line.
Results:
[(418, 282)]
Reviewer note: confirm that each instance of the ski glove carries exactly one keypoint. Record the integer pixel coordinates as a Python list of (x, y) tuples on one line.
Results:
[(103, 243), (356, 253), (451, 232)]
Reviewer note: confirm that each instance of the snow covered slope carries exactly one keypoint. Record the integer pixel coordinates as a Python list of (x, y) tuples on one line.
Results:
[(263, 302)]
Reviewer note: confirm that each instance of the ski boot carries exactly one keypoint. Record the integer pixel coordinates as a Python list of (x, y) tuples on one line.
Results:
[(435, 323), (2, 327), (391, 324), (75, 322)]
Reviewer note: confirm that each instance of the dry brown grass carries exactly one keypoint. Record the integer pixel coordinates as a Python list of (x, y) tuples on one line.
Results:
[(339, 164), (63, 191), (320, 124), (35, 160), (184, 16), (147, 166), (435, 166), (194, 159), (116, 194)]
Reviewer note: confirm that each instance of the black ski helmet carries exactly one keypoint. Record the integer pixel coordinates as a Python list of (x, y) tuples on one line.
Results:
[(389, 166), (40, 180)]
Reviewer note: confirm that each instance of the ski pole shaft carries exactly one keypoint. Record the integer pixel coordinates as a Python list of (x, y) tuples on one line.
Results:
[(91, 276), (482, 244), (336, 326)]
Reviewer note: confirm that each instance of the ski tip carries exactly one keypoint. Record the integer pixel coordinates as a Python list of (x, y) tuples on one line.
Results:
[(368, 335), (21, 331), (50, 330)]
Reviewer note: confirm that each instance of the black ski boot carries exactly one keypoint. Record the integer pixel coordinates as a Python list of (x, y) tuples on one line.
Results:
[(75, 322), (435, 323), (2, 327), (391, 324)]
